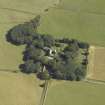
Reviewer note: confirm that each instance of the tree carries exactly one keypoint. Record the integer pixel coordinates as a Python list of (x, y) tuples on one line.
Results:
[(18, 35), (34, 53), (44, 60), (36, 21), (60, 64), (28, 39), (58, 75), (71, 76), (44, 75), (38, 43), (31, 67), (21, 33), (15, 36), (85, 61), (49, 41), (80, 73), (64, 40), (72, 47), (83, 45)]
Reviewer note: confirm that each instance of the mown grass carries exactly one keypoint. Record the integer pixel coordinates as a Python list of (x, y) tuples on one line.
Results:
[(75, 93), (80, 19)]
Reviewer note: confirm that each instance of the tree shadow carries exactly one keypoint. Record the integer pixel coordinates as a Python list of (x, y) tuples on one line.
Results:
[(42, 85)]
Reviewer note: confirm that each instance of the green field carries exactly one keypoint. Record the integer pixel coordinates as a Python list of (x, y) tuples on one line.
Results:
[(32, 6), (75, 93), (80, 19), (19, 89)]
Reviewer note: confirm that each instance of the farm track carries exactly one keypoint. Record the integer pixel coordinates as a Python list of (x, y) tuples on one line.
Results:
[(93, 81), (9, 70), (44, 93)]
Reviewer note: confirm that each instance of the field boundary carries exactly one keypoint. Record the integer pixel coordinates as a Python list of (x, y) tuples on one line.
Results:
[(93, 81), (10, 71), (16, 10), (44, 93), (28, 12)]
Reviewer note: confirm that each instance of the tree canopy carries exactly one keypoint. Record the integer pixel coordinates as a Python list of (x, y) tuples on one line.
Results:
[(38, 53)]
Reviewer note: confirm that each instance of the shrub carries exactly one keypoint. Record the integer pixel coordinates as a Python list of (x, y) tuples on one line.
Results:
[(83, 45), (44, 75), (31, 67)]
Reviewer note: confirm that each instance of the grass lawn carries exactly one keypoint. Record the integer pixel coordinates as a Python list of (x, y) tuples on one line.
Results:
[(80, 19), (75, 93), (19, 89)]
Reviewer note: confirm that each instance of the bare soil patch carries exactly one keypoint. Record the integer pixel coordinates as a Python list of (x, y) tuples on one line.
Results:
[(97, 64)]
